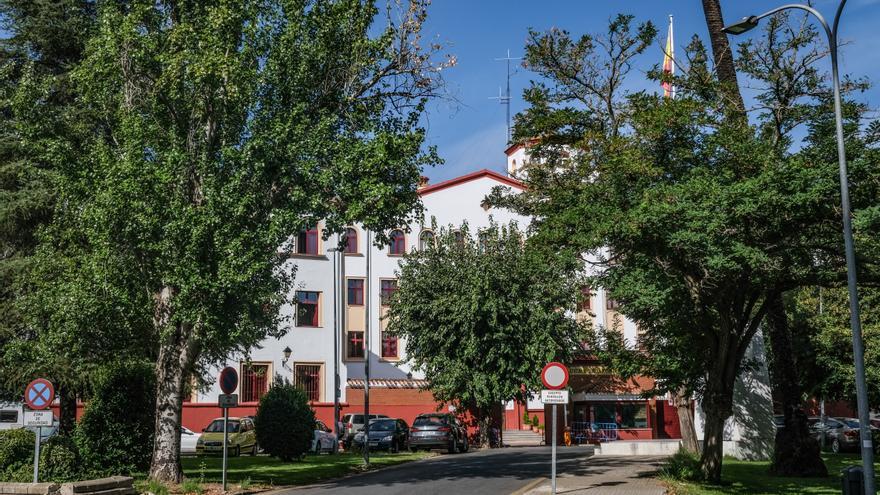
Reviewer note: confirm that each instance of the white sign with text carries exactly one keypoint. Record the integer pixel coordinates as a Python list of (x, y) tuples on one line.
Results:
[(554, 396), (38, 418)]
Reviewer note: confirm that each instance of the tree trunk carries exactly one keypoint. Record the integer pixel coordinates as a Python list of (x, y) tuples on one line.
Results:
[(683, 406), (485, 425), (713, 440), (722, 55), (67, 410), (176, 355), (796, 452)]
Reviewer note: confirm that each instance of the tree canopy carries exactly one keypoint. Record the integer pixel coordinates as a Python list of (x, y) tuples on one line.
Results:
[(203, 137), (480, 314), (702, 218)]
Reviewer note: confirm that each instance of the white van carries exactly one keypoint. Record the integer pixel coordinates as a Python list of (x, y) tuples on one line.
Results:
[(11, 415)]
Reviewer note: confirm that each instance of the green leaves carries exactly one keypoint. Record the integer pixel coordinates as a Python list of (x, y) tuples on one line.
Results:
[(479, 314)]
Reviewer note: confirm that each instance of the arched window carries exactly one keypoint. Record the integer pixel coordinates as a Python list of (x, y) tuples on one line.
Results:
[(398, 242), (426, 240), (351, 241), (458, 236)]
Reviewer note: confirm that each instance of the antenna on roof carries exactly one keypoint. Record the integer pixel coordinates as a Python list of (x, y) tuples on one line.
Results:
[(504, 98)]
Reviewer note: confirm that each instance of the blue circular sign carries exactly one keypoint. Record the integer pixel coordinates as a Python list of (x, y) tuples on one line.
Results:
[(228, 380), (39, 394)]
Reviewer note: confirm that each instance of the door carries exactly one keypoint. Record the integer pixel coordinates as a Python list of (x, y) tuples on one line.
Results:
[(668, 420)]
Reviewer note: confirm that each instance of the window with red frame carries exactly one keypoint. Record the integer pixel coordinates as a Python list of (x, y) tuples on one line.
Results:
[(398, 242), (584, 304), (307, 241), (351, 241), (389, 346), (254, 381), (611, 303), (307, 308), (355, 345), (355, 292), (308, 378), (388, 288)]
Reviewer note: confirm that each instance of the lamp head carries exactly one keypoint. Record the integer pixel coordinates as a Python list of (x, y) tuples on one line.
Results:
[(287, 352), (746, 24)]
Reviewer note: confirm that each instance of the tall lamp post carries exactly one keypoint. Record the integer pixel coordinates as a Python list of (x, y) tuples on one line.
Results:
[(740, 27)]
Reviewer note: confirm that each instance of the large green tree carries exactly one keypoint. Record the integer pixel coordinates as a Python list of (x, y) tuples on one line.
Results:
[(42, 41), (702, 220), (480, 314), (209, 133)]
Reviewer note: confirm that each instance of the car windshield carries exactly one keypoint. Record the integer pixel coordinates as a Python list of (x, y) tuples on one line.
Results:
[(216, 426), (429, 421), (382, 425)]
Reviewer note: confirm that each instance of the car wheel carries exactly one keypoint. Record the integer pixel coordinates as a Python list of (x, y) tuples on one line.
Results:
[(453, 447), (254, 449), (466, 446), (237, 451), (394, 447), (835, 446)]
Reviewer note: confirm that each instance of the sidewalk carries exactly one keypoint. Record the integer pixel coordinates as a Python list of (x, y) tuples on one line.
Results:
[(607, 475)]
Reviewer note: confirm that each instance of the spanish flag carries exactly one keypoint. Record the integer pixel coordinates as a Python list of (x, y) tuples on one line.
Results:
[(669, 62)]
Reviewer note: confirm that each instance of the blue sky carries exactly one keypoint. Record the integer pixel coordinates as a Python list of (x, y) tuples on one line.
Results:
[(470, 133)]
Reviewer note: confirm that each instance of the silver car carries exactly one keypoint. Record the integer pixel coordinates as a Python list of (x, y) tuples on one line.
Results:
[(352, 424)]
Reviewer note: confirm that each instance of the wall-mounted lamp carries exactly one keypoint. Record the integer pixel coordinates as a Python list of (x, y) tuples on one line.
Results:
[(287, 352)]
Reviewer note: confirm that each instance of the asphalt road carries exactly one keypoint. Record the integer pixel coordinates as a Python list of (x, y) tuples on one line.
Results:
[(496, 471)]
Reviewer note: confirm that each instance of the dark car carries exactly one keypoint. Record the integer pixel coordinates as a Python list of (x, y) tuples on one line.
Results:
[(438, 431), (386, 434), (353, 423), (841, 434)]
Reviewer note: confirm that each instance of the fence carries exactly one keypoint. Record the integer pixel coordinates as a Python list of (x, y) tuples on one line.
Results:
[(587, 432)]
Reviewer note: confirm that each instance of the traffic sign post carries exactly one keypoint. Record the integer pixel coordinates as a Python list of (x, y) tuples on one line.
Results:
[(554, 376), (38, 395), (228, 384)]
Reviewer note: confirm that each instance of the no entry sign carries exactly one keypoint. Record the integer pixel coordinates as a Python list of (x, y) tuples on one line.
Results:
[(228, 380), (39, 394), (554, 376)]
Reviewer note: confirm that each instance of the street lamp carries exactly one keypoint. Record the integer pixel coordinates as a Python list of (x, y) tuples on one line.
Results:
[(286, 353), (740, 27)]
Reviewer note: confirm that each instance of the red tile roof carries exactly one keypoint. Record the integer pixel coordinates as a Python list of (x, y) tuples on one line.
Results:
[(479, 174)]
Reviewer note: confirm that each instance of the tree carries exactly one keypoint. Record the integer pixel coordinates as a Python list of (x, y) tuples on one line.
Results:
[(479, 316), (43, 40), (210, 133), (822, 337), (689, 204), (285, 424)]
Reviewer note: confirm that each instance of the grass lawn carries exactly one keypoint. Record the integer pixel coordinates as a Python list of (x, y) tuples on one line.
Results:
[(268, 471), (753, 478)]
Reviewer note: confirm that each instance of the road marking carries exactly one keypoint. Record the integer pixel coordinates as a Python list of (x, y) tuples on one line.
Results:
[(528, 487)]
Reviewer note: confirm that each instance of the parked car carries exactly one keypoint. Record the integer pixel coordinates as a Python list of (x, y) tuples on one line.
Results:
[(352, 424), (325, 440), (188, 440), (841, 434), (438, 431), (241, 438), (386, 434)]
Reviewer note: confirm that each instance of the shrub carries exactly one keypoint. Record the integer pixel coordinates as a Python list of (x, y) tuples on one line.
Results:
[(683, 466), (17, 455), (115, 434), (535, 421), (285, 424), (526, 419), (59, 460), (189, 487)]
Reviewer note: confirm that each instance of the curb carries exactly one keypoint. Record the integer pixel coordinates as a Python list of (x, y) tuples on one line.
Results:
[(327, 482), (532, 484)]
